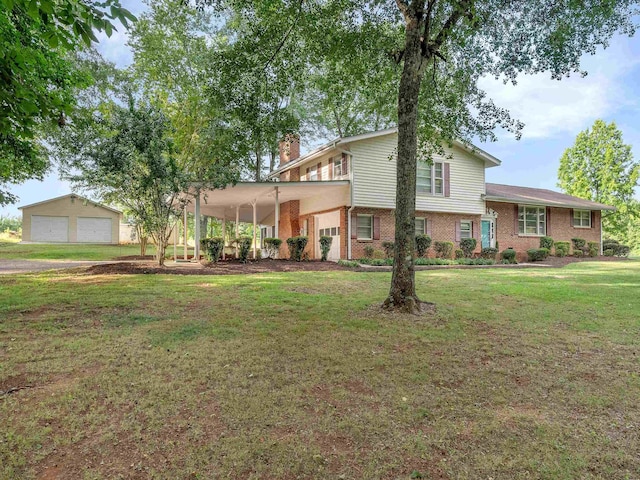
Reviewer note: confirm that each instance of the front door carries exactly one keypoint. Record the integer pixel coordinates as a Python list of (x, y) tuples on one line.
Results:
[(488, 234)]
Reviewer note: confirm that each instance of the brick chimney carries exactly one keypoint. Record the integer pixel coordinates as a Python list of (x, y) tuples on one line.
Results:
[(289, 148)]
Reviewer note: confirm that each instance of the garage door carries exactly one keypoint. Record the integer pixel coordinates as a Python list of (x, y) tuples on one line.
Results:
[(49, 229), (328, 225), (94, 230)]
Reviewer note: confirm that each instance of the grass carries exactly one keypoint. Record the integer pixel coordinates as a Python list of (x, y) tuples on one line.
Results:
[(32, 251), (520, 374)]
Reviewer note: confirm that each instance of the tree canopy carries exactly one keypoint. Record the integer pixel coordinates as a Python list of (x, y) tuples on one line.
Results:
[(600, 167)]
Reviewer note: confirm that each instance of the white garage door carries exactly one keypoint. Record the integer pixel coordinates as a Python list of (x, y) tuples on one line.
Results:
[(94, 230), (328, 224), (49, 229)]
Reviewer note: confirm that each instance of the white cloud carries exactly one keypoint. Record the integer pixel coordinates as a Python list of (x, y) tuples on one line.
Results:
[(550, 107)]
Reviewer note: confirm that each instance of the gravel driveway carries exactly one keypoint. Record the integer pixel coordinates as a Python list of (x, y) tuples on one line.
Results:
[(26, 266)]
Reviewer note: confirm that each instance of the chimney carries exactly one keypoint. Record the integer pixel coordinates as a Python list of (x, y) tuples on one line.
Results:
[(289, 148)]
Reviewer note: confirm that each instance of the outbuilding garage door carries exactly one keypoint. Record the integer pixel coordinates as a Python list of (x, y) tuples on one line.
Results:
[(49, 229), (94, 230)]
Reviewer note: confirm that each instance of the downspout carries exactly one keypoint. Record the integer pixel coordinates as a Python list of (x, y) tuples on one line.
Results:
[(349, 226)]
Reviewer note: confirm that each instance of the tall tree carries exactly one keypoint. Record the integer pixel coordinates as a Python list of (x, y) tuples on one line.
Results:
[(600, 167), (37, 79)]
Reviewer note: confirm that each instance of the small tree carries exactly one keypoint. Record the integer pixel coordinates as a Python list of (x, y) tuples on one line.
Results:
[(325, 246)]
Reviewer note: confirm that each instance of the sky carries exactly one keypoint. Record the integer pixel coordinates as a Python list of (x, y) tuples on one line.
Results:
[(554, 112)]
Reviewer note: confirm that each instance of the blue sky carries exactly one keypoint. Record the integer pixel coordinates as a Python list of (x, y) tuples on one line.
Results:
[(554, 112)]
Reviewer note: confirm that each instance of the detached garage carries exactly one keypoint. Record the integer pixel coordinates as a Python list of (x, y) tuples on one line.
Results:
[(70, 219)]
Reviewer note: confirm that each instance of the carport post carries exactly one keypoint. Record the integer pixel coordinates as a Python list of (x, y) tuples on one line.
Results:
[(237, 228), (185, 234), (253, 204), (175, 241), (277, 230), (196, 225), (224, 236)]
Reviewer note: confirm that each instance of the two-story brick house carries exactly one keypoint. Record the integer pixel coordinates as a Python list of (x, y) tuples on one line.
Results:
[(346, 189)]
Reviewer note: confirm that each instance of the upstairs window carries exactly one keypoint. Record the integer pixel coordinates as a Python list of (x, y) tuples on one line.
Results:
[(340, 167), (312, 173), (532, 220), (582, 218), (430, 178)]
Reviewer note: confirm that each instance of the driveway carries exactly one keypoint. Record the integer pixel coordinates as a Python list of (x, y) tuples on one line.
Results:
[(26, 266)]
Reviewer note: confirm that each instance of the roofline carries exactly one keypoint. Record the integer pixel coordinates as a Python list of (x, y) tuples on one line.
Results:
[(469, 147), (67, 196), (275, 184), (596, 206)]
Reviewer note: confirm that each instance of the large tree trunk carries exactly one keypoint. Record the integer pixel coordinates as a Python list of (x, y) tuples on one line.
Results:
[(402, 294)]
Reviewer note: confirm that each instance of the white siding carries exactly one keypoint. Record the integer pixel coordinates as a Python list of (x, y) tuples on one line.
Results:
[(374, 178), (320, 203)]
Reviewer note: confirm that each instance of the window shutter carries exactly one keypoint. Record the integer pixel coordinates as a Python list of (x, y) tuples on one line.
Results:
[(457, 230), (428, 226), (354, 226), (547, 221), (447, 179), (345, 164), (376, 228), (319, 171), (331, 169), (571, 217), (593, 218), (516, 227)]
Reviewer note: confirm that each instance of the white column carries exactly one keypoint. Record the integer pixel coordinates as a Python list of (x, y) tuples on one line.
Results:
[(186, 253), (175, 240), (196, 224), (254, 228), (237, 228), (277, 229), (224, 236)]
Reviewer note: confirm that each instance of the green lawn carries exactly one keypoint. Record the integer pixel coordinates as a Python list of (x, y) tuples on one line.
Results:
[(521, 374), (31, 251)]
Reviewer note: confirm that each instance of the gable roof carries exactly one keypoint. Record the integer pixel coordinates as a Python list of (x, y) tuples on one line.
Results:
[(539, 196), (69, 195), (321, 150)]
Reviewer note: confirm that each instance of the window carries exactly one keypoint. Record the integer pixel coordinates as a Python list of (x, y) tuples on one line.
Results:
[(532, 220), (365, 227), (466, 230), (420, 224), (340, 166), (312, 174), (430, 178), (582, 218)]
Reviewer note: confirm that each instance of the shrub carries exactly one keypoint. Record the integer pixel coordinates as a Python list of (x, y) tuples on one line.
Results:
[(388, 248), (476, 261), (325, 246), (423, 242), (458, 254), (368, 251), (578, 253), (508, 256), (562, 249), (244, 245), (432, 261), (296, 247), (546, 242), (348, 263), (537, 254), (614, 245), (489, 253), (381, 262), (623, 251), (212, 247), (468, 245), (594, 249), (272, 246), (610, 243), (578, 244), (443, 249), (258, 254), (379, 254), (608, 252)]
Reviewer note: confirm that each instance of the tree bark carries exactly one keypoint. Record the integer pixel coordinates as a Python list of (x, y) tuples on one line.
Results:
[(402, 294)]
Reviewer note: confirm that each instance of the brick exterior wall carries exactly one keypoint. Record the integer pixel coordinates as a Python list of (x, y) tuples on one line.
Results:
[(292, 175), (289, 224), (559, 227), (443, 228)]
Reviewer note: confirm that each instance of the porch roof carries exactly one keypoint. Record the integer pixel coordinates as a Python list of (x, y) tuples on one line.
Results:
[(222, 203)]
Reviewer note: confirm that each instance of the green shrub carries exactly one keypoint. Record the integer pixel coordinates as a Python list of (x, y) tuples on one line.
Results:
[(594, 249), (618, 250), (423, 242), (546, 242), (537, 254), (325, 246), (458, 254), (348, 263), (578, 244), (610, 243), (468, 245), (296, 247), (608, 252), (443, 249), (272, 246), (381, 262), (578, 253), (379, 254), (388, 248), (244, 245), (432, 261), (562, 249), (213, 248), (623, 251), (475, 261), (489, 253), (368, 251), (508, 256)]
